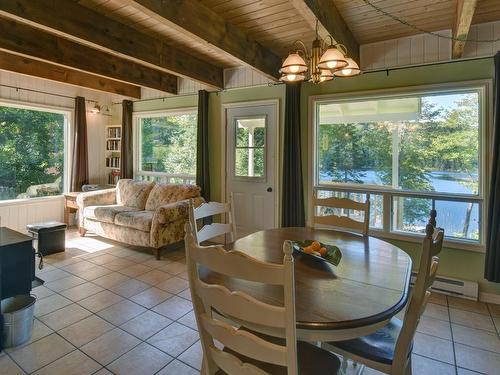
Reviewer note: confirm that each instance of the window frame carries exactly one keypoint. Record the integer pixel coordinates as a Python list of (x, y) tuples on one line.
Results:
[(484, 88), (68, 131), (137, 145)]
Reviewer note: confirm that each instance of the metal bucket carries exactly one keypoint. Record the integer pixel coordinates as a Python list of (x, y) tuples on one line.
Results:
[(17, 319)]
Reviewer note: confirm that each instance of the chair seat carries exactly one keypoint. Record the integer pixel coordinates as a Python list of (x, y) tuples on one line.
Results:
[(311, 360), (378, 346)]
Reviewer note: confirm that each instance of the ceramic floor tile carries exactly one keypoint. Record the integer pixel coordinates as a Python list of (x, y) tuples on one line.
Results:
[(39, 330), (103, 371), (471, 319), (185, 294), (144, 359), (154, 277), (64, 317), (103, 259), (494, 309), (438, 299), (468, 305), (82, 291), (476, 337), (86, 330), (51, 303), (54, 275), (173, 285), (129, 288), (174, 268), (434, 348), (100, 301), (189, 320), (174, 307), (434, 327), (151, 297), (42, 292), (119, 264), (79, 267), (108, 347), (120, 312), (178, 368), (42, 352), (462, 371), (110, 280), (174, 339), (74, 363), (65, 283), (426, 366), (477, 360), (193, 356), (140, 257), (153, 263), (9, 367), (135, 270), (94, 273), (146, 325), (437, 311)]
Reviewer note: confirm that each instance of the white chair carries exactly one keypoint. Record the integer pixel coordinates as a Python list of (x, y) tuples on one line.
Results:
[(210, 231), (245, 352), (341, 221), (389, 349)]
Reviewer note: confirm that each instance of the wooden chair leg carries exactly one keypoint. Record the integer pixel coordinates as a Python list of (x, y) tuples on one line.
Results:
[(156, 253), (408, 367), (82, 231)]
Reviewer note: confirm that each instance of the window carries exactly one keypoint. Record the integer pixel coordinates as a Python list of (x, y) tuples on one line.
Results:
[(250, 147), (166, 149), (32, 151), (413, 153)]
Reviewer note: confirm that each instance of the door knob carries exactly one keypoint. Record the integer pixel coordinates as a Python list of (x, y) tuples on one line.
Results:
[(269, 189)]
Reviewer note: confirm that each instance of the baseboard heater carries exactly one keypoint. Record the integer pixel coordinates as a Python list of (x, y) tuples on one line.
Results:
[(453, 287)]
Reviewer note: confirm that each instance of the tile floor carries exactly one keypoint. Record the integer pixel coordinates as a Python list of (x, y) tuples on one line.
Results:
[(106, 308)]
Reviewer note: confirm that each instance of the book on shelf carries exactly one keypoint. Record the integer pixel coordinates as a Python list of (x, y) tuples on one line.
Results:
[(113, 162), (114, 132), (113, 145), (113, 177)]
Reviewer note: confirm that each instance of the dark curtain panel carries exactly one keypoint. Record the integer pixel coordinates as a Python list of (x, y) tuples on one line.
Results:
[(293, 191), (492, 266), (127, 154), (80, 169), (202, 168)]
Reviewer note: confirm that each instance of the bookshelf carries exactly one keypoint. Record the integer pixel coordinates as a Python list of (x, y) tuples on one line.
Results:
[(113, 152)]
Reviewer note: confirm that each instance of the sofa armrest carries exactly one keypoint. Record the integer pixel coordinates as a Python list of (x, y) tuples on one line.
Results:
[(96, 198), (175, 211)]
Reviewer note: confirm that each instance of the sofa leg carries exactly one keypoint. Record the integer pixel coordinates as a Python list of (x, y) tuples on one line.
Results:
[(82, 231), (156, 253)]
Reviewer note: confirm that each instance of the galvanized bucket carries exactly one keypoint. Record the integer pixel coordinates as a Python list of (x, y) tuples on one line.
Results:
[(17, 320)]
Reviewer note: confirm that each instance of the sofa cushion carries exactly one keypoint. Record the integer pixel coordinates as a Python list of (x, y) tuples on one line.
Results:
[(133, 193), (163, 194), (105, 214), (140, 220)]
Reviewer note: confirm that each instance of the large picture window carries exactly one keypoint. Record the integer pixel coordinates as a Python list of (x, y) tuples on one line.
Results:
[(166, 146), (412, 152), (32, 151)]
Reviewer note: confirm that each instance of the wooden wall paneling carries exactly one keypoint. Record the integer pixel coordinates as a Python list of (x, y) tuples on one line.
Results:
[(431, 48)]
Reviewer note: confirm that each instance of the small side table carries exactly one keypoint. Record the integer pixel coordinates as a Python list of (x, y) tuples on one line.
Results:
[(70, 205)]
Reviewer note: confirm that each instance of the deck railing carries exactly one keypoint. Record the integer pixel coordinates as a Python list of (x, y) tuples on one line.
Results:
[(166, 178)]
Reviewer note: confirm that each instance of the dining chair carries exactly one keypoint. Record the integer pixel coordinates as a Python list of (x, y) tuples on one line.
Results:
[(337, 205), (213, 230), (246, 352), (389, 349)]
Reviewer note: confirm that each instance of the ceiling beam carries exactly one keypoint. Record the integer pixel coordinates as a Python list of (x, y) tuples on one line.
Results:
[(206, 26), (330, 23), (79, 23), (21, 39), (465, 12), (40, 69)]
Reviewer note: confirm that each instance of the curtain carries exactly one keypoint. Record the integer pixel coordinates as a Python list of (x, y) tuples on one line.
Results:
[(202, 167), (492, 265), (127, 154), (80, 168), (293, 191)]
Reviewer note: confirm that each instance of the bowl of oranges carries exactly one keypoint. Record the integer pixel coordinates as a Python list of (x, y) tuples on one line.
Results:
[(319, 250)]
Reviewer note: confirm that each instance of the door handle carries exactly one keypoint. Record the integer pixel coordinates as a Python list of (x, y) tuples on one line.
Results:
[(269, 189)]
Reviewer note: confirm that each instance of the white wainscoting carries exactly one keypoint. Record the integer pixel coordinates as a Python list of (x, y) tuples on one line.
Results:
[(17, 214)]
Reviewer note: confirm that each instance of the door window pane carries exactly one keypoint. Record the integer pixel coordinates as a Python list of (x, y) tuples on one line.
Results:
[(250, 134)]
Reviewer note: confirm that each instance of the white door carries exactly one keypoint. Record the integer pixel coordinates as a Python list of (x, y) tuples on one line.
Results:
[(251, 166)]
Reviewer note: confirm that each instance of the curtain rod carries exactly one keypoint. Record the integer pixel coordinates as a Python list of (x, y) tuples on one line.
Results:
[(45, 92)]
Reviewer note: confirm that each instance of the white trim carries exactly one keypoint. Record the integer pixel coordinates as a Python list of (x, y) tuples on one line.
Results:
[(484, 88), (35, 200), (223, 161)]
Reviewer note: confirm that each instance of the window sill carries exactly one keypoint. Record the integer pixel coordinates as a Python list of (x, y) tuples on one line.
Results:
[(15, 202)]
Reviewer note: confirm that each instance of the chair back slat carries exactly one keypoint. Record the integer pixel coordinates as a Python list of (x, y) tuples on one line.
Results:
[(231, 364), (210, 231), (333, 220), (244, 342), (241, 304), (210, 209)]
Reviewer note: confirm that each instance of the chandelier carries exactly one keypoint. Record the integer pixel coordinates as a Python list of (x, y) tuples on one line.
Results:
[(326, 61)]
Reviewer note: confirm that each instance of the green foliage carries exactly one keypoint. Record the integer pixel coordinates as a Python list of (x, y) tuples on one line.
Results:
[(242, 152), (31, 149)]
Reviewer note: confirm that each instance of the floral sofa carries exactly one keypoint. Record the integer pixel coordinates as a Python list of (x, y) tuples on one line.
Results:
[(140, 213)]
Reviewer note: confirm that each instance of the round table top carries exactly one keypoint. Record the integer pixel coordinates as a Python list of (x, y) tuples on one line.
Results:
[(370, 285)]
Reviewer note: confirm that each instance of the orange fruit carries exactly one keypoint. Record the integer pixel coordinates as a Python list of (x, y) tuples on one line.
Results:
[(323, 251), (308, 250), (316, 246)]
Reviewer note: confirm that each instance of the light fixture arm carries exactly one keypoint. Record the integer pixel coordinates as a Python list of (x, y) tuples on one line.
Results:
[(301, 50)]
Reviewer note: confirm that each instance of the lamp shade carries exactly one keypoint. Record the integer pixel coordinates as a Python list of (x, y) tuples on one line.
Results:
[(326, 75), (293, 64), (291, 77), (352, 69), (332, 59)]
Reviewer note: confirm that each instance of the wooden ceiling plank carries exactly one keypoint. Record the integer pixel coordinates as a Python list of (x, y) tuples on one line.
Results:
[(87, 26), (204, 24), (36, 68), (465, 12), (22, 39), (331, 21)]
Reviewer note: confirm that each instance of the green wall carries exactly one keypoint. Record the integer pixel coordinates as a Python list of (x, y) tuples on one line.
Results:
[(461, 264)]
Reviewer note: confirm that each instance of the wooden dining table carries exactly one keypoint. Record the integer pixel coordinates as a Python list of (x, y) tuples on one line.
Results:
[(360, 295)]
